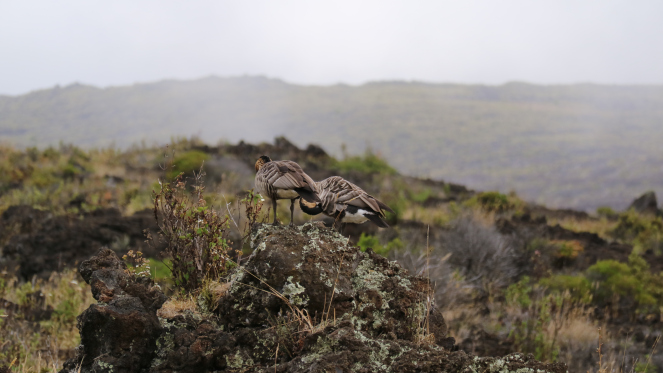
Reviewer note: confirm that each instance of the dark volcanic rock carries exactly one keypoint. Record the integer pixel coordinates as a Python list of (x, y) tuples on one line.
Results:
[(646, 203), (119, 333), (305, 301), (40, 243), (311, 265), (595, 248)]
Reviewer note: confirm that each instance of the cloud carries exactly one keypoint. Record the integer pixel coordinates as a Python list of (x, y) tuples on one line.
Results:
[(45, 43)]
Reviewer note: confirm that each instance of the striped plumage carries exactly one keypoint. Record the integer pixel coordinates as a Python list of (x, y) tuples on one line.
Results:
[(346, 202), (284, 180)]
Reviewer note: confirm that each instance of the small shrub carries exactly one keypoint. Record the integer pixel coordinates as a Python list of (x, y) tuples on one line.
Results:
[(51, 153), (493, 202), (519, 293), (531, 332), (186, 163), (567, 250), (369, 163), (644, 366), (606, 212), (368, 241), (639, 229), (395, 245), (484, 256), (372, 242), (632, 281), (196, 237), (579, 287), (43, 177), (136, 264), (421, 196)]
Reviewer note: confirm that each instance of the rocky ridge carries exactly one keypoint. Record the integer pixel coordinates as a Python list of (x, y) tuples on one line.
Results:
[(304, 301)]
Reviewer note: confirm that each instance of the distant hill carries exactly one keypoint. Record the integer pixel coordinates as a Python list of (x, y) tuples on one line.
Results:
[(580, 146)]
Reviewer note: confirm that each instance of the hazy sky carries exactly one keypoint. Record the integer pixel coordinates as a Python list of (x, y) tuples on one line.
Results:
[(119, 42)]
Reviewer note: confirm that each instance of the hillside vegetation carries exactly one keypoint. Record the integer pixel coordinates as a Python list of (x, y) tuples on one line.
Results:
[(581, 146), (506, 275)]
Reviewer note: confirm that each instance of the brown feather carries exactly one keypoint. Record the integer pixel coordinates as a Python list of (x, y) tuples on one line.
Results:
[(284, 175), (336, 192)]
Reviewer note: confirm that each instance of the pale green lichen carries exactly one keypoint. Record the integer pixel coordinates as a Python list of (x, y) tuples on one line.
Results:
[(104, 365), (366, 277), (236, 361), (323, 345), (165, 344), (378, 319), (295, 293)]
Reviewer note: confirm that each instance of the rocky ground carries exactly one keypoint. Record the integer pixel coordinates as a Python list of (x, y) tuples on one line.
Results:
[(362, 314), (493, 261)]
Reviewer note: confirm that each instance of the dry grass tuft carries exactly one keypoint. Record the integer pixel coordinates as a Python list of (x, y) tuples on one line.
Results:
[(41, 344), (601, 227), (178, 306)]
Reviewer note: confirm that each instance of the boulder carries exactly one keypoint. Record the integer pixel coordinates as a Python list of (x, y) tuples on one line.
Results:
[(303, 301), (645, 204), (40, 242), (119, 333)]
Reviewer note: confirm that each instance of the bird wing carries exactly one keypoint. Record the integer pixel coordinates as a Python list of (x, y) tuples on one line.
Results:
[(347, 193), (287, 175)]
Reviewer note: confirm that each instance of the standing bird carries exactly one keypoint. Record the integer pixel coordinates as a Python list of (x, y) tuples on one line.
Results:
[(284, 180), (347, 203)]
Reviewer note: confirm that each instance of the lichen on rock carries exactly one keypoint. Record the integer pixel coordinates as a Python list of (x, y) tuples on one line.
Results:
[(303, 301)]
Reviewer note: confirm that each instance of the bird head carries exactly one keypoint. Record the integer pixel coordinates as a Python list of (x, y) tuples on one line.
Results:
[(311, 208), (261, 161)]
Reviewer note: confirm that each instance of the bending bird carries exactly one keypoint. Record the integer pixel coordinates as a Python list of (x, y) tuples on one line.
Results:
[(347, 203), (284, 180)]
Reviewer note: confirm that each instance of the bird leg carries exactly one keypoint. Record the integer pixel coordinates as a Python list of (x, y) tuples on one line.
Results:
[(274, 207), (292, 211)]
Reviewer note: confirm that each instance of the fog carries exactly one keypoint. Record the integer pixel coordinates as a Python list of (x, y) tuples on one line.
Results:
[(46, 43)]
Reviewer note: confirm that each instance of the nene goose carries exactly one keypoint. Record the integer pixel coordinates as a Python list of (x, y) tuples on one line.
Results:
[(347, 203), (284, 180)]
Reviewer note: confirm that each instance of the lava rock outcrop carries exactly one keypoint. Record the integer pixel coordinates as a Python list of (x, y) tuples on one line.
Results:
[(38, 242), (304, 301)]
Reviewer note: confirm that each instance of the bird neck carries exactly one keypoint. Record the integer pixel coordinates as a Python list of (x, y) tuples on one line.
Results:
[(310, 208)]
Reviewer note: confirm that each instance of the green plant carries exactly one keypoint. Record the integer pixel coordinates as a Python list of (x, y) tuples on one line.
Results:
[(196, 236), (530, 334), (642, 230), (519, 293), (568, 249), (607, 212), (369, 163), (644, 366), (395, 244), (36, 346), (632, 280), (421, 196), (136, 264), (160, 269), (186, 163), (579, 287), (368, 241), (493, 202)]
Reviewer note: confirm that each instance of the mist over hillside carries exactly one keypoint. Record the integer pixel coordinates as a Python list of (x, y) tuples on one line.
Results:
[(580, 146)]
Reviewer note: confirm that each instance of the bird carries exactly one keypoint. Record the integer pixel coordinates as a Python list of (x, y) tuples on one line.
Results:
[(284, 180), (346, 202)]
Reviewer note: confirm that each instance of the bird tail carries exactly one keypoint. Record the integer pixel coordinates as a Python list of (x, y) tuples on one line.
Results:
[(385, 207), (377, 220)]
